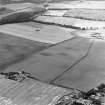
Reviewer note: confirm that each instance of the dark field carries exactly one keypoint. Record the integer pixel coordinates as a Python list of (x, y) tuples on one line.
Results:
[(14, 49)]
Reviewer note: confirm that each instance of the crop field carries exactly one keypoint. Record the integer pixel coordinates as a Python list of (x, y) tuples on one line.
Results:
[(80, 13), (54, 13), (32, 1), (38, 1), (48, 34), (18, 50), (29, 92), (71, 22), (62, 44), (88, 14)]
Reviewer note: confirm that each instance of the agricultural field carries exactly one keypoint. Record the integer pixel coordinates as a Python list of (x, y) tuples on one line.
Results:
[(47, 34), (32, 1), (56, 13), (88, 14), (71, 22), (17, 51), (29, 92), (77, 4), (60, 43)]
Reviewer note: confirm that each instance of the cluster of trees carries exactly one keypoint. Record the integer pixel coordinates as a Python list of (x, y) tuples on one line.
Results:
[(95, 96), (89, 28)]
